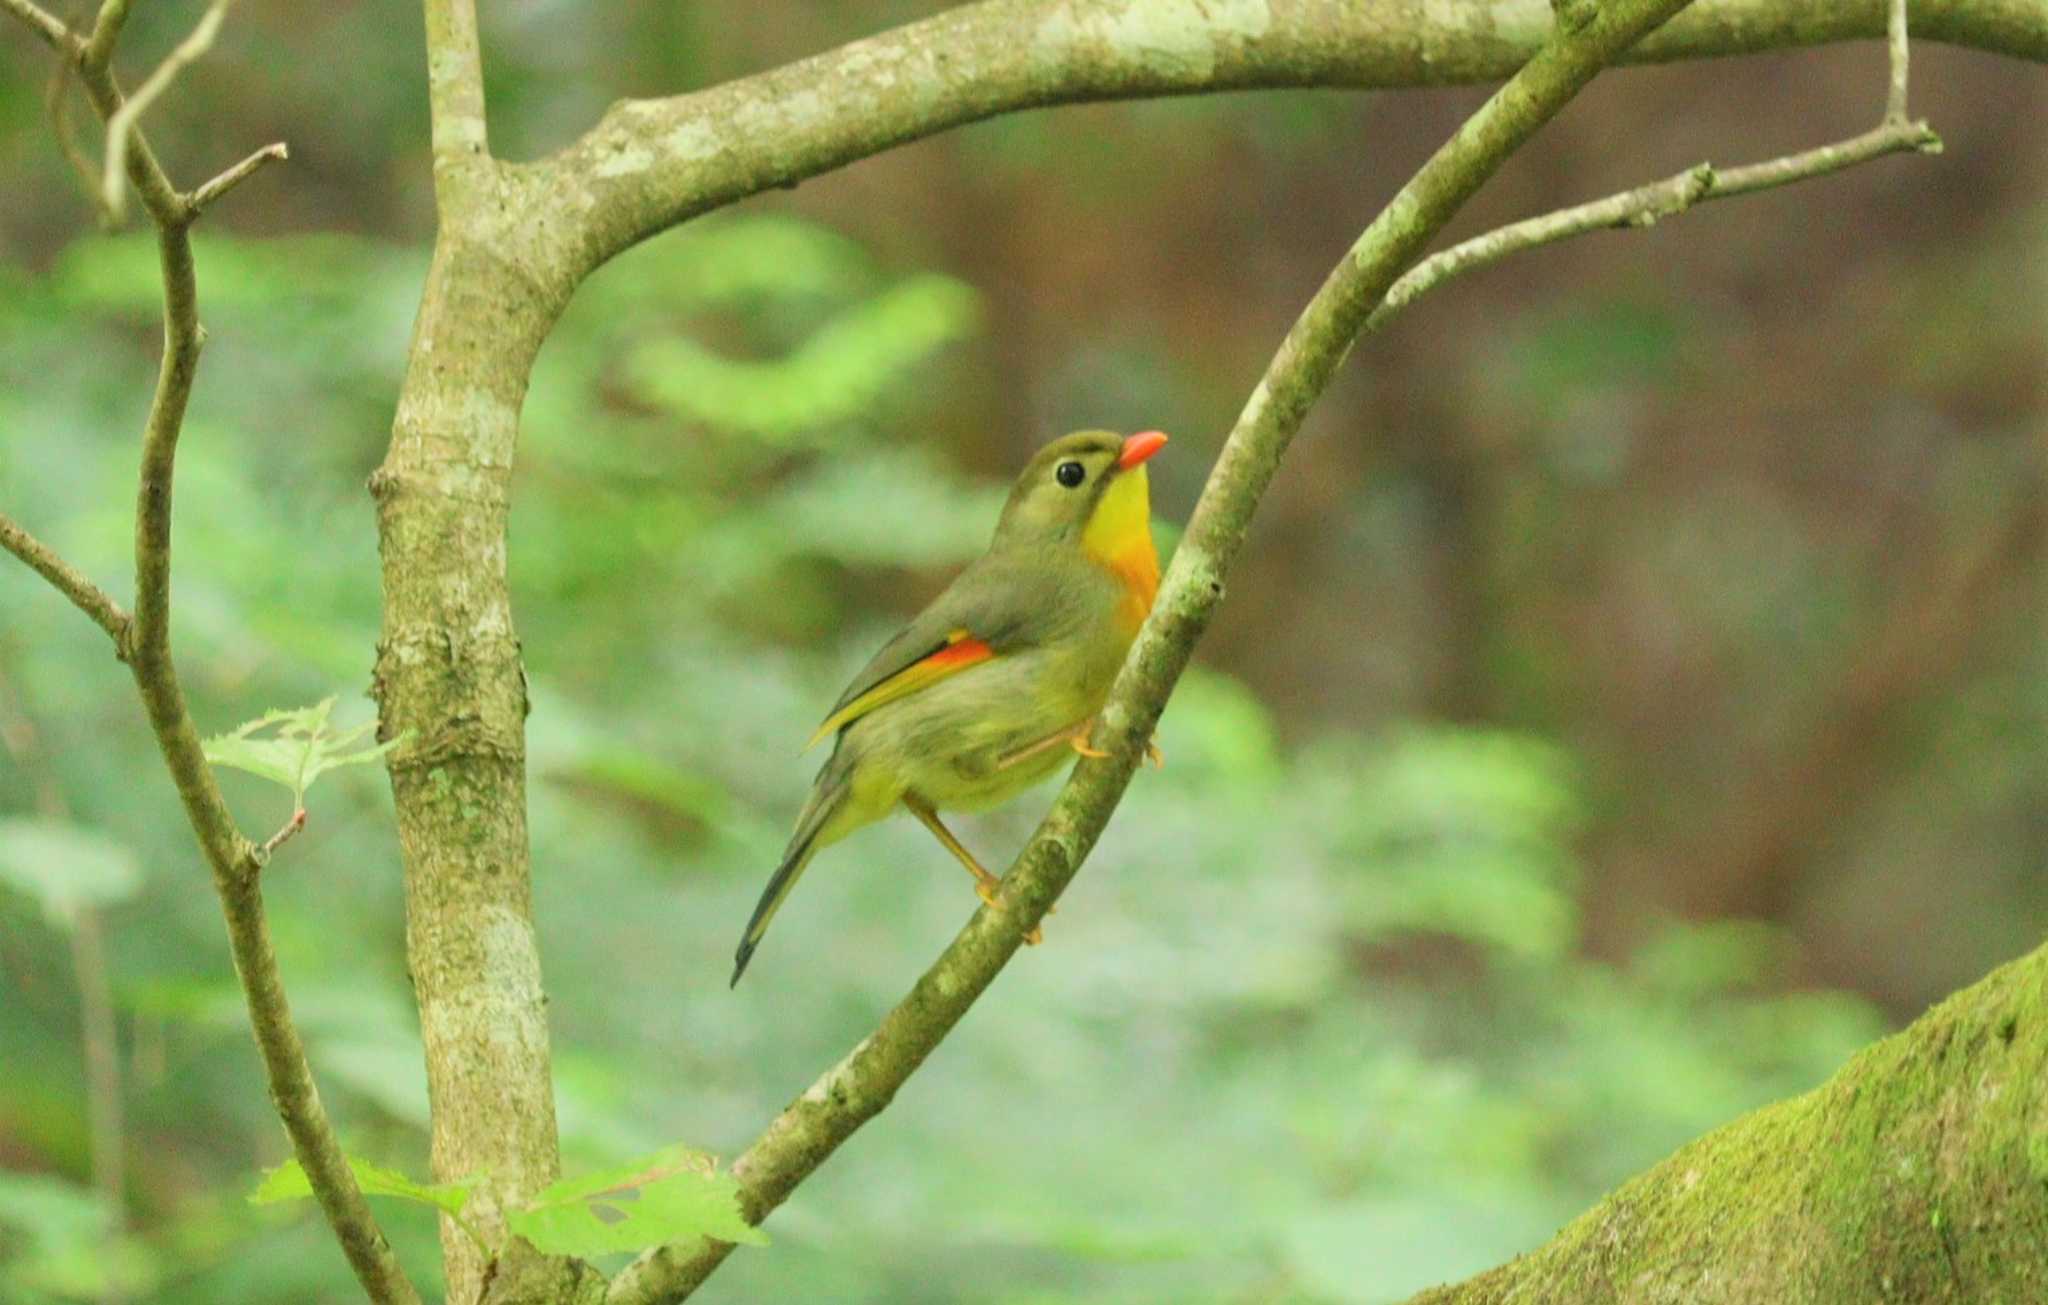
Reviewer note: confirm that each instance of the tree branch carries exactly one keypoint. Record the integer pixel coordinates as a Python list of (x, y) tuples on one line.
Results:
[(121, 124), (200, 199), (1916, 1170), (106, 31), (455, 83), (145, 639), (859, 1087), (649, 164), (84, 594), (235, 861), (57, 103), (1646, 205), (1895, 39), (44, 24)]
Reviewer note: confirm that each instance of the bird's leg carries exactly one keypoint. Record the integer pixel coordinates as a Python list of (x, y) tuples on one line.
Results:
[(986, 885), (1065, 734)]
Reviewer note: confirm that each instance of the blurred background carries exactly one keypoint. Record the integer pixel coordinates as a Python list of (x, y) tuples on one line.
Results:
[(1630, 701)]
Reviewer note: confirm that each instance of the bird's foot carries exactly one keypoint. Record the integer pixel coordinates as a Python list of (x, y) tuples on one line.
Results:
[(1081, 744), (987, 889)]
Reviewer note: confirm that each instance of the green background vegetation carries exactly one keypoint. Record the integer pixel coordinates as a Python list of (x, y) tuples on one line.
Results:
[(1632, 702)]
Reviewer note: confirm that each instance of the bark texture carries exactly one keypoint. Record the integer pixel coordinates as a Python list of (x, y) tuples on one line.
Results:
[(652, 163), (448, 671), (1918, 1174)]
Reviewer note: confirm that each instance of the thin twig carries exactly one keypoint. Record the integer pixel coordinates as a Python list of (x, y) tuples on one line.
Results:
[(57, 102), (84, 594), (859, 1087), (144, 172), (284, 835), (455, 84), (144, 638), (44, 24), (1896, 42), (122, 123), (106, 30), (235, 861), (277, 152), (1647, 205)]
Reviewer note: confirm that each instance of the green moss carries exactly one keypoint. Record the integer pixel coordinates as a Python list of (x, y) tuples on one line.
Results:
[(1918, 1173)]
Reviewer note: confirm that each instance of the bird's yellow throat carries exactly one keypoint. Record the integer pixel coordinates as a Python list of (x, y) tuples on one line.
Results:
[(1119, 537)]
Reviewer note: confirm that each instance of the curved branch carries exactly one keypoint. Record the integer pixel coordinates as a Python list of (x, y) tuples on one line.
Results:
[(144, 639), (235, 861), (650, 164), (1917, 1170), (859, 1087)]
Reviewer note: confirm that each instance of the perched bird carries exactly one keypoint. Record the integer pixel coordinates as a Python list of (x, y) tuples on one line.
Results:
[(996, 684)]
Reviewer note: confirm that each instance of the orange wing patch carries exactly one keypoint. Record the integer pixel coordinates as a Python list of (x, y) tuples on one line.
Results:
[(960, 652)]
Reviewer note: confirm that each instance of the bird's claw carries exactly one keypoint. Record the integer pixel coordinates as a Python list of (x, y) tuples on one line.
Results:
[(988, 889), (1153, 755)]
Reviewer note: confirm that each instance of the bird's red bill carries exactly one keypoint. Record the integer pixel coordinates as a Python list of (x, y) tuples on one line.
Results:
[(1139, 447)]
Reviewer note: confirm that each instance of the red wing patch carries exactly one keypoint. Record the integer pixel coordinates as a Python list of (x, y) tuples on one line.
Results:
[(959, 652)]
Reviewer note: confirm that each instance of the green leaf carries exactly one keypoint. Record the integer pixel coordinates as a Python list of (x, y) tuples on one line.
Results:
[(673, 1194), (65, 867), (302, 748), (288, 1182)]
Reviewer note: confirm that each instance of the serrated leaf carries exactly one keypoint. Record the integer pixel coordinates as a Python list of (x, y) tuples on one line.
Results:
[(301, 749), (288, 1182), (671, 1195), (65, 867)]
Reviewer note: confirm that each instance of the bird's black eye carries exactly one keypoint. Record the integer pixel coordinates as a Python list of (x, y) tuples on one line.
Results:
[(1070, 474)]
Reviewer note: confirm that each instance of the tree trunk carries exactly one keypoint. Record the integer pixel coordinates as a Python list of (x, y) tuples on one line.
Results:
[(449, 674), (1917, 1174)]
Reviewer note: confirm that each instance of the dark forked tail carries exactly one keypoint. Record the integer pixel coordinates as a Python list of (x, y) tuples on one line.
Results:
[(827, 793)]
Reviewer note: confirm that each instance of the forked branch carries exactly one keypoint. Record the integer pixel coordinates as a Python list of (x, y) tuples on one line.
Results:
[(1646, 205), (859, 1087), (144, 637), (652, 163)]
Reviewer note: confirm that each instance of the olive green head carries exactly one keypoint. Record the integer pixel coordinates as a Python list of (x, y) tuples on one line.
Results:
[(1060, 490)]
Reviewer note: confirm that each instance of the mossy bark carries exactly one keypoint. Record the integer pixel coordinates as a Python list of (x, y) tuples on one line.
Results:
[(449, 677), (1919, 1173)]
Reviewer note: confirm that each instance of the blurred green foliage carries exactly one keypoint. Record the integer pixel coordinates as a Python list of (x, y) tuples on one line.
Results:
[(1313, 1026)]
